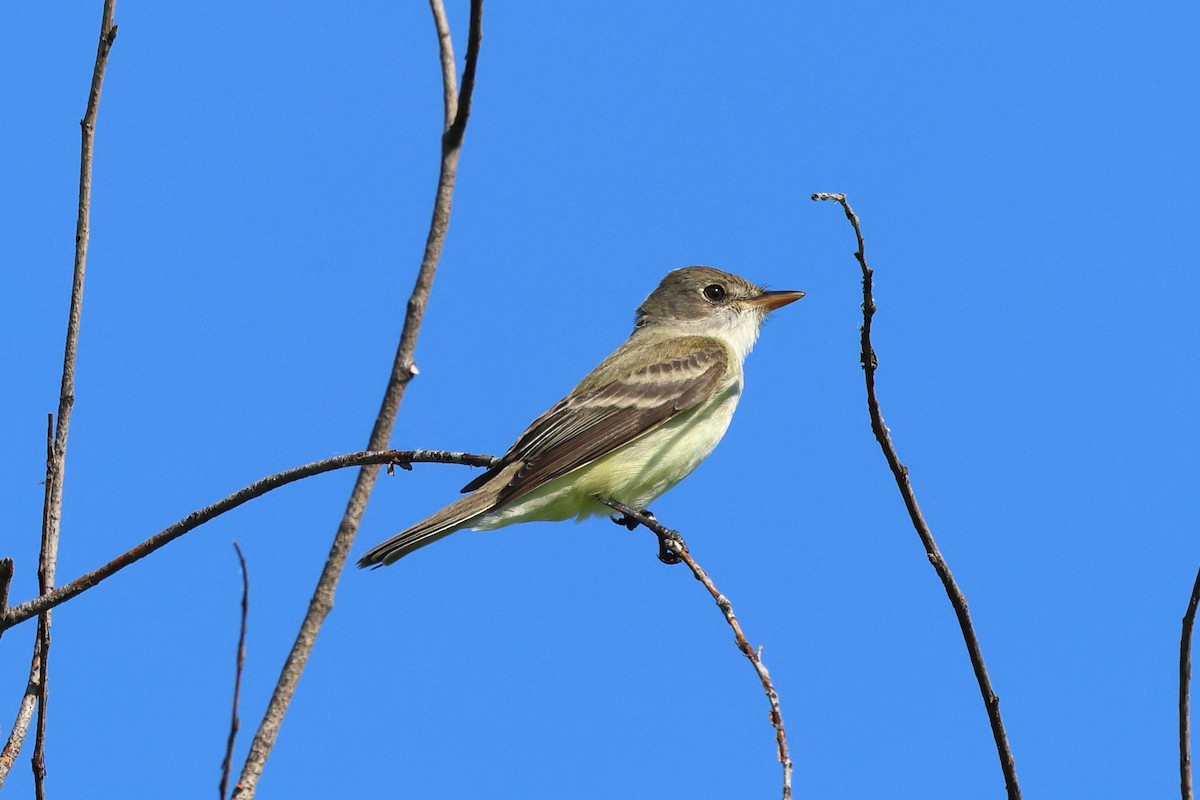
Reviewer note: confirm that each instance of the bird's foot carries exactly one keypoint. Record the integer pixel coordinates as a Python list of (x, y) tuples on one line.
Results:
[(404, 465), (627, 521), (670, 543)]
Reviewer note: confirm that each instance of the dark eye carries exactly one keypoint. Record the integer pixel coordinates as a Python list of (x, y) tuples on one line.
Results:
[(715, 292)]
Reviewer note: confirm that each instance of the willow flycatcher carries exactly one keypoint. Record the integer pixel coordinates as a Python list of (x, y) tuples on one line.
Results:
[(638, 424)]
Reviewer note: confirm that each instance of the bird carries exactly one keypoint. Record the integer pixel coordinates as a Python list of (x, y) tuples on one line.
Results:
[(634, 427)]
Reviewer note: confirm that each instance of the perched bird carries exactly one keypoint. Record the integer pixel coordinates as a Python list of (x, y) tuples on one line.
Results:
[(638, 424)]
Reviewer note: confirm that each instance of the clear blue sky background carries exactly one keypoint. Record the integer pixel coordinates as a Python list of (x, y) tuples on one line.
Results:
[(1026, 175)]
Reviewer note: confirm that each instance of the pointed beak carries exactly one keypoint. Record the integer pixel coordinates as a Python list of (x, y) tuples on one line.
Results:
[(769, 301)]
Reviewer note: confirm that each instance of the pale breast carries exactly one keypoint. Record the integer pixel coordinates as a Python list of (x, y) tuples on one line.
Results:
[(635, 474), (645, 468)]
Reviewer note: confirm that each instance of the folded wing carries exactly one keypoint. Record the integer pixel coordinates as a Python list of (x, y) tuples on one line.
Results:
[(605, 412)]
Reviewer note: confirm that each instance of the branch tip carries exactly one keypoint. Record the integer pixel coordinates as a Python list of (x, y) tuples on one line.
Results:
[(235, 723), (869, 362), (6, 576)]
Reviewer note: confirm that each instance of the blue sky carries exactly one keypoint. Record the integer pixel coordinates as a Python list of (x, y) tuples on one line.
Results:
[(1026, 177)]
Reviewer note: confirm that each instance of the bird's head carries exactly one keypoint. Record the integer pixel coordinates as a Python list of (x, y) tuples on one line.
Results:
[(704, 301)]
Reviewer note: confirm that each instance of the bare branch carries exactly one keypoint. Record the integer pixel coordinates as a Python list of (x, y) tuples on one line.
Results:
[(1185, 677), (6, 574), (403, 370), (56, 462), (18, 614), (458, 126), (52, 516), (673, 543), (234, 722), (20, 727), (900, 472), (46, 562), (38, 762), (57, 436), (449, 70)]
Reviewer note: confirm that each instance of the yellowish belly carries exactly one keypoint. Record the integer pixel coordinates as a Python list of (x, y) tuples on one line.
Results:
[(635, 474)]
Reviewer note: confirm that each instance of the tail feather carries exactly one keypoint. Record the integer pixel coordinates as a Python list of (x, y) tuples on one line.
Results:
[(456, 516)]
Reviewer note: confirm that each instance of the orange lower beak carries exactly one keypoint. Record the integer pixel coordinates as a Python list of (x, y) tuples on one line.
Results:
[(769, 301)]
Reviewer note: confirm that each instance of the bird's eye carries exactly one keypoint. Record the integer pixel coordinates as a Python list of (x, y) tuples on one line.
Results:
[(714, 292)]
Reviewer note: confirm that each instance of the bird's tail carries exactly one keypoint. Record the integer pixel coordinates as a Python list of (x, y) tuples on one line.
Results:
[(456, 516)]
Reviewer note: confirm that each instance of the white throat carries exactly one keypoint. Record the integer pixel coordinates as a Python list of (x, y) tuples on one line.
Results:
[(738, 329), (740, 332)]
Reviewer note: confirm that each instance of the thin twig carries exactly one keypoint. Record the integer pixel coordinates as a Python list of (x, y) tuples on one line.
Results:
[(19, 613), (457, 108), (38, 761), (1185, 677), (56, 459), (457, 127), (671, 540), (234, 722), (900, 472), (6, 574), (20, 727), (52, 515), (441, 24), (46, 562)]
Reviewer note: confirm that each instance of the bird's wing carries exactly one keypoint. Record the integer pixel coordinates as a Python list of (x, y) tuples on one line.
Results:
[(601, 416)]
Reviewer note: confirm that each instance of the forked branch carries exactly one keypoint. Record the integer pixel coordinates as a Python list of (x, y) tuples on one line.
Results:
[(457, 109), (56, 457), (15, 615)]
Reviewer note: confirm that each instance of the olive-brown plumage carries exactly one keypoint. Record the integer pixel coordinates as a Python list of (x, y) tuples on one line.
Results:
[(635, 426)]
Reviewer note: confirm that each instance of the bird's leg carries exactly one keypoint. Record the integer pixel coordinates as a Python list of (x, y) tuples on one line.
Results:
[(670, 543), (626, 521), (630, 522)]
